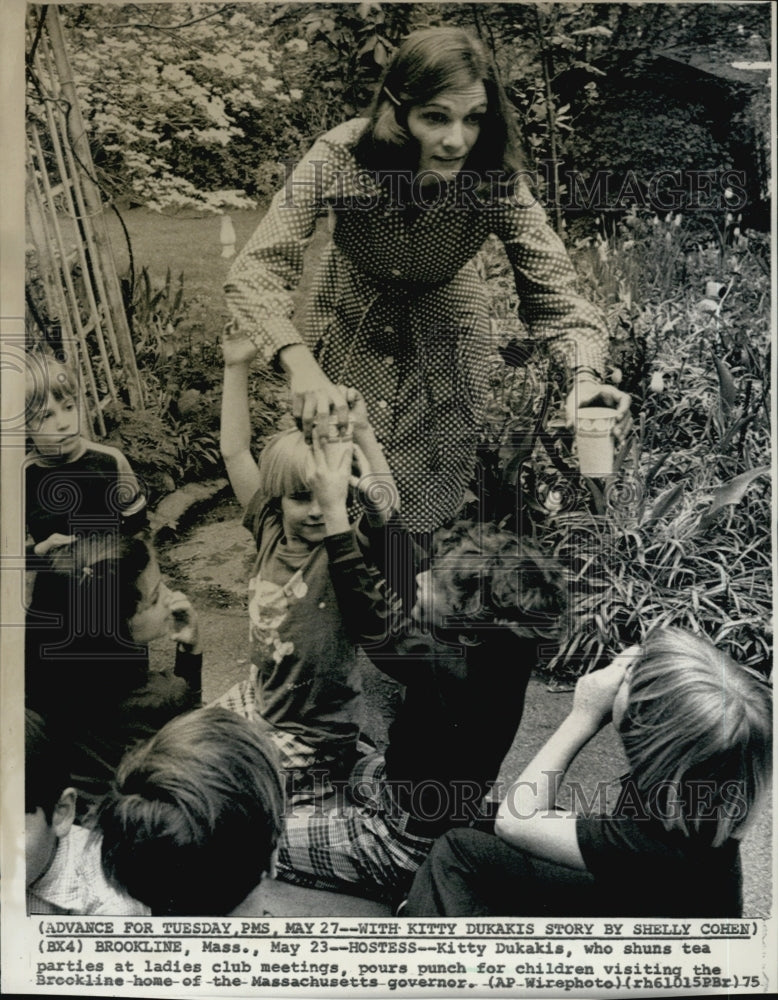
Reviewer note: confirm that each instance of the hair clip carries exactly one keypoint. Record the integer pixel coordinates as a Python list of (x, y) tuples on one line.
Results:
[(392, 98)]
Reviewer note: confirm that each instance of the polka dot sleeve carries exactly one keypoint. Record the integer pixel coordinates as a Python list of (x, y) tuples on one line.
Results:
[(269, 267), (547, 284)]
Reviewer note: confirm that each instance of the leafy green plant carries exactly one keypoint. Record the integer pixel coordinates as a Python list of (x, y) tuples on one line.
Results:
[(175, 438), (680, 534)]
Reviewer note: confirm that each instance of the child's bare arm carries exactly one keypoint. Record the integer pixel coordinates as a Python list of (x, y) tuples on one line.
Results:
[(235, 438), (527, 817)]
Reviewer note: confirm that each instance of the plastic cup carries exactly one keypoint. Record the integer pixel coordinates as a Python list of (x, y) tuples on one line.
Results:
[(594, 439)]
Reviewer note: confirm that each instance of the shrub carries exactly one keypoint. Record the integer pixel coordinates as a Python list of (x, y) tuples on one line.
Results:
[(680, 534)]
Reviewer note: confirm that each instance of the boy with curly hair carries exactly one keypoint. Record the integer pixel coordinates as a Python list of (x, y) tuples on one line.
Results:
[(482, 611)]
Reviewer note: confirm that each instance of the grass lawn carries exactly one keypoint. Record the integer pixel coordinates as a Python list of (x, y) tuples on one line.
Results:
[(188, 244)]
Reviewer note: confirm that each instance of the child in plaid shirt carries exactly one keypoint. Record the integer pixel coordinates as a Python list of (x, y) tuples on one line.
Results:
[(489, 599)]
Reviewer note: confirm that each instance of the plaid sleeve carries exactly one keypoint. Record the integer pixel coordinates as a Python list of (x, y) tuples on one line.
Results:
[(268, 269), (547, 284)]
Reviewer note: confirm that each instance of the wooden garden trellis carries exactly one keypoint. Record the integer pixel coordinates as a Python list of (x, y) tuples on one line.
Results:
[(66, 227)]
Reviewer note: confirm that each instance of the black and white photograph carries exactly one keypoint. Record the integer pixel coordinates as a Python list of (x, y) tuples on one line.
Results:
[(388, 550)]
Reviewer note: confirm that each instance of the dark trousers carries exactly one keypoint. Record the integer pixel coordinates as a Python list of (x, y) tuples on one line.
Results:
[(472, 874)]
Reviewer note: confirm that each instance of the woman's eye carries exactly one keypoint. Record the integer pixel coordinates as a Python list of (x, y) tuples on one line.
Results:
[(302, 497), (435, 118), (475, 119)]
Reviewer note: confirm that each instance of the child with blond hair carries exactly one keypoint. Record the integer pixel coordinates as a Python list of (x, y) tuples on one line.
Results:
[(74, 488), (696, 728), (304, 680)]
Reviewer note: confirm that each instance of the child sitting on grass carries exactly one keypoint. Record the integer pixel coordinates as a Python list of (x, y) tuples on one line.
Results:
[(192, 821), (63, 869), (490, 599), (304, 682), (696, 729), (73, 487), (99, 696)]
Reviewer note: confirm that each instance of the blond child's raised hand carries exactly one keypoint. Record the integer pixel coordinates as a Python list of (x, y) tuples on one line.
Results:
[(595, 692), (237, 348), (357, 411), (329, 483)]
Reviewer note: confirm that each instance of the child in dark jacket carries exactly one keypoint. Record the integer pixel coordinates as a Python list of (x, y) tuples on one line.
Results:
[(97, 693), (489, 600), (696, 730), (74, 487)]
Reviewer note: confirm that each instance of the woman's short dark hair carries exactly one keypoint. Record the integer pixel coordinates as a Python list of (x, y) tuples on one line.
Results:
[(427, 62), (194, 815)]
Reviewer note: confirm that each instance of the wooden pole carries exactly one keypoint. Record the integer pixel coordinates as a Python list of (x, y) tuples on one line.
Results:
[(94, 205)]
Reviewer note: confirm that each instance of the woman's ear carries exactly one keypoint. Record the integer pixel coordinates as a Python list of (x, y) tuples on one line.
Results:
[(64, 814), (272, 868)]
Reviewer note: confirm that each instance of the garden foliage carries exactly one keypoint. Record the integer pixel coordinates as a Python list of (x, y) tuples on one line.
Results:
[(197, 105), (174, 438), (681, 533)]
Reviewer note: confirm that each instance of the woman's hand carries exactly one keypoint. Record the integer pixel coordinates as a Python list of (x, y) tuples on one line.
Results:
[(595, 692), (588, 392), (314, 398), (54, 541), (237, 349), (185, 630), (357, 409)]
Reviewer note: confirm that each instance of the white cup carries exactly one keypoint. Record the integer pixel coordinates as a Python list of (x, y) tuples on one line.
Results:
[(594, 440)]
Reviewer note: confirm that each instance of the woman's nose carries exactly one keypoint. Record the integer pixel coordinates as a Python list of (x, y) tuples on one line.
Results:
[(454, 138), (314, 510)]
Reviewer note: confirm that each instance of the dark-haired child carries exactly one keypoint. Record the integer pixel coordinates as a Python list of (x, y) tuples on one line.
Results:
[(99, 696), (63, 869), (696, 728), (192, 821), (490, 599)]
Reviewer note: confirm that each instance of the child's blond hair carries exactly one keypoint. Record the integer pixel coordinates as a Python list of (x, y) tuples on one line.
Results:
[(697, 733), (285, 466)]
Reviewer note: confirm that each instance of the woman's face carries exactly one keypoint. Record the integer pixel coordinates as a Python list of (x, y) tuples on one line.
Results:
[(447, 128), (152, 616)]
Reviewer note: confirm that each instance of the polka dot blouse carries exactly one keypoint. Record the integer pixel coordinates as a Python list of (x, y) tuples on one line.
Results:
[(399, 311)]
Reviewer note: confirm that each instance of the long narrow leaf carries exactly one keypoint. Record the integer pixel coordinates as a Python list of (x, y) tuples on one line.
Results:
[(727, 383), (665, 502), (731, 492)]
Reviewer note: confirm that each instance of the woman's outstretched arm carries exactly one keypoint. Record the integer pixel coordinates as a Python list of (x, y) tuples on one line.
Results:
[(268, 269)]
